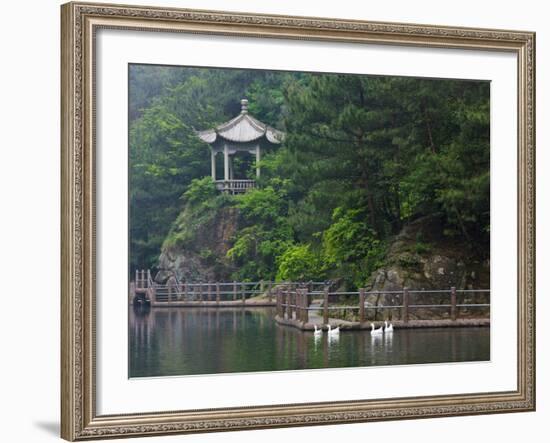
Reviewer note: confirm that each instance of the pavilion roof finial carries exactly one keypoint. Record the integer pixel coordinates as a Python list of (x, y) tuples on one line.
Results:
[(244, 106)]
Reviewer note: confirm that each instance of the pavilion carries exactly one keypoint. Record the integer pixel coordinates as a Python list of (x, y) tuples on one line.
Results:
[(241, 134)]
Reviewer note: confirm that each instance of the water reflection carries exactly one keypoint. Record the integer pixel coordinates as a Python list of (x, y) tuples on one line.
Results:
[(376, 349), (388, 339), (317, 340), (333, 339), (179, 341)]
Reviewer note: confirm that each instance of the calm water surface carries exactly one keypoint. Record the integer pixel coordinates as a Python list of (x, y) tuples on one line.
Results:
[(181, 341)]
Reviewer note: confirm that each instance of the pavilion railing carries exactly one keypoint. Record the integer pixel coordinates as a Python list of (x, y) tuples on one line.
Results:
[(235, 186)]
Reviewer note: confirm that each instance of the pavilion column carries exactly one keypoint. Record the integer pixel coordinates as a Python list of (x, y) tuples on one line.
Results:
[(225, 163), (258, 161), (213, 164)]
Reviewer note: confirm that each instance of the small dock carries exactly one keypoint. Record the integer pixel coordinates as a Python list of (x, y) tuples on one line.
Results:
[(304, 305), (397, 324), (302, 309)]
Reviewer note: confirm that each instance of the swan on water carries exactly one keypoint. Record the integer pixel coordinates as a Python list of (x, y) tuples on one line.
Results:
[(374, 331), (388, 328), (334, 331), (317, 332)]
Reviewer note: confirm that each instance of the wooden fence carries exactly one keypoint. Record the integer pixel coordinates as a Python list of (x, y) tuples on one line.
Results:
[(211, 291), (236, 291), (296, 300), (296, 304)]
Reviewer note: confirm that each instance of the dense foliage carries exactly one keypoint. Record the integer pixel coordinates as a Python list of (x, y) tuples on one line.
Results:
[(362, 156)]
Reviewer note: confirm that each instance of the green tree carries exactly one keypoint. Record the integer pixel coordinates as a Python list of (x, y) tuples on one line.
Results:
[(299, 263), (265, 236)]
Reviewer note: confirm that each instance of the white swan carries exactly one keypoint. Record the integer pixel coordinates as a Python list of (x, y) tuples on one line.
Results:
[(374, 331), (388, 328), (334, 331), (317, 332)]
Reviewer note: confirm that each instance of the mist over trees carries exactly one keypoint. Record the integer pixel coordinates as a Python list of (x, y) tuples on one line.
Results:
[(362, 157)]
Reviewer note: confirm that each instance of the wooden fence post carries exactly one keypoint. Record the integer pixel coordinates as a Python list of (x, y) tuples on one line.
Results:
[(278, 302), (153, 295), (287, 302), (325, 307), (269, 292), (243, 292), (200, 291), (362, 305), (453, 304), (305, 317), (376, 305), (261, 287), (290, 302), (184, 290), (289, 313), (234, 290), (405, 314), (217, 292), (136, 279)]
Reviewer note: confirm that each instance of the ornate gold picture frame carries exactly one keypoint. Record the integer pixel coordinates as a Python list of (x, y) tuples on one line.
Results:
[(80, 23)]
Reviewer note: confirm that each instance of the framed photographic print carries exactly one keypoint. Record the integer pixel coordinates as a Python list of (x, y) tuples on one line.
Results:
[(282, 221)]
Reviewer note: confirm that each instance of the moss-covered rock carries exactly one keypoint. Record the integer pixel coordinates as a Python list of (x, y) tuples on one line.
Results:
[(438, 264), (196, 248)]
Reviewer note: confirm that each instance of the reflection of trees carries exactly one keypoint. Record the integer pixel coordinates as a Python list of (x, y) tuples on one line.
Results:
[(179, 341)]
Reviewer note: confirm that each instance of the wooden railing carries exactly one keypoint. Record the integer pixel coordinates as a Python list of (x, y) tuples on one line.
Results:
[(174, 290), (296, 304), (295, 300), (211, 291), (235, 186)]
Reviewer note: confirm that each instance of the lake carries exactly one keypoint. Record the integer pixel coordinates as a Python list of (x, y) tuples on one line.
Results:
[(184, 341)]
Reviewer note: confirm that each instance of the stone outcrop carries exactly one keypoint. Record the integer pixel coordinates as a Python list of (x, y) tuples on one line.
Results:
[(421, 258), (199, 251)]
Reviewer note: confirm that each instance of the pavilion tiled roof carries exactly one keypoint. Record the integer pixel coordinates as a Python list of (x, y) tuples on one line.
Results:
[(242, 129)]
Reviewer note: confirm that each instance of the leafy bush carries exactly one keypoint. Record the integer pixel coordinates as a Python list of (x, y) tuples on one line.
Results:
[(266, 234), (299, 263), (351, 247), (200, 190)]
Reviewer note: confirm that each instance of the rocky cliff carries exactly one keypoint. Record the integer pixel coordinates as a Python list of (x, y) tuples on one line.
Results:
[(196, 248), (420, 257)]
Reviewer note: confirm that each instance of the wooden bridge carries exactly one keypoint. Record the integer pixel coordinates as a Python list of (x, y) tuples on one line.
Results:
[(144, 290)]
